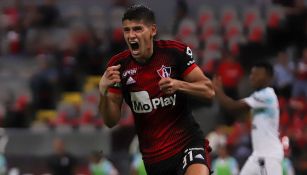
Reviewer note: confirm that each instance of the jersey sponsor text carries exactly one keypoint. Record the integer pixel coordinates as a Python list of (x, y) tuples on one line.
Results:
[(142, 103)]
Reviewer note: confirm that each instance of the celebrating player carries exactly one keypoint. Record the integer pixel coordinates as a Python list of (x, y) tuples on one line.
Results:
[(267, 149), (154, 78)]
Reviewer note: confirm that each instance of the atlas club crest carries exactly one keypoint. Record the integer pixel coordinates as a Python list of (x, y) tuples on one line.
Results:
[(164, 71)]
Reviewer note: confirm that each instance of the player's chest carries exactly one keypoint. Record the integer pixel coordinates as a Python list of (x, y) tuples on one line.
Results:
[(146, 77)]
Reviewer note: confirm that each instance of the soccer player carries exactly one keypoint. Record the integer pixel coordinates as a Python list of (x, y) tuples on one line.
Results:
[(267, 149), (100, 165), (155, 77)]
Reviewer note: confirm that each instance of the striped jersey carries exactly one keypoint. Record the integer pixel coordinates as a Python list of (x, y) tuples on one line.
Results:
[(164, 123)]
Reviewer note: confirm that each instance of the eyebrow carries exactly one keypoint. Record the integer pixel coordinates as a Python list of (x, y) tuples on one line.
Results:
[(133, 28)]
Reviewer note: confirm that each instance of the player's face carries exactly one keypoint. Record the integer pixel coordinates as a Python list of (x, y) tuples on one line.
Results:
[(258, 77), (139, 38)]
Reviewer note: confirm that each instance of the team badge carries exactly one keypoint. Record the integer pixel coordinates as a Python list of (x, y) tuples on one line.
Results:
[(164, 71)]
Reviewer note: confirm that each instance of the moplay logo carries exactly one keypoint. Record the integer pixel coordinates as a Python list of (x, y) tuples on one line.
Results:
[(142, 103)]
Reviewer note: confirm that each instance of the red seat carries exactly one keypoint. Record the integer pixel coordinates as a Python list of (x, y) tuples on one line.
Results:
[(274, 16)]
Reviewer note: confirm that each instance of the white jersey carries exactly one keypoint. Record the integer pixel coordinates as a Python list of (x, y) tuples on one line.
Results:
[(265, 123)]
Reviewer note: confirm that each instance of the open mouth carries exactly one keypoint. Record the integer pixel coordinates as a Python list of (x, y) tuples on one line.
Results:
[(134, 46)]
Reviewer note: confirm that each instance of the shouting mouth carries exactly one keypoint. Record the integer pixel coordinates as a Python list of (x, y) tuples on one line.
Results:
[(134, 47)]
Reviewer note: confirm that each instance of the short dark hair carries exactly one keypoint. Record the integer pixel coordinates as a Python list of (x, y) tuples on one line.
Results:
[(140, 12), (267, 67)]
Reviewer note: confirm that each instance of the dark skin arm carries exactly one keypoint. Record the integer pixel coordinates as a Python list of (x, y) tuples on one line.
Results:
[(234, 106)]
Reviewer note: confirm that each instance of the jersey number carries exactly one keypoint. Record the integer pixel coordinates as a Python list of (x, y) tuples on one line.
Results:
[(187, 157)]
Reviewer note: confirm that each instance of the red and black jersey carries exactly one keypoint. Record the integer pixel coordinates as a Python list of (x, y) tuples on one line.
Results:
[(164, 123)]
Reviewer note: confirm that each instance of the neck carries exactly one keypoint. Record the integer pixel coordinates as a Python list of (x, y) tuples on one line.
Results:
[(147, 55), (262, 87)]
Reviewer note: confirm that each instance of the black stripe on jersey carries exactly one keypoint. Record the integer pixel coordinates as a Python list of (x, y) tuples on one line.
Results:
[(174, 47), (169, 43), (118, 57)]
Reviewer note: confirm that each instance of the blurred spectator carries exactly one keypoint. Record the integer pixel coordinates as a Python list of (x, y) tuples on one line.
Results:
[(287, 165), (299, 143), (3, 166), (224, 164), (117, 43), (44, 82), (69, 76), (100, 165), (3, 161), (137, 166), (283, 72), (48, 14), (10, 22), (217, 138), (240, 139), (231, 72), (61, 162), (91, 58), (18, 113), (181, 12), (295, 21), (300, 83)]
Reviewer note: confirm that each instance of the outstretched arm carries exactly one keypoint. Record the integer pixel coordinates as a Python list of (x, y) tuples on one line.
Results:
[(110, 103), (227, 102), (195, 83)]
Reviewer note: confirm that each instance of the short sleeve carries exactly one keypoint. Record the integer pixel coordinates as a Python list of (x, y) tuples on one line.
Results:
[(186, 62), (256, 100)]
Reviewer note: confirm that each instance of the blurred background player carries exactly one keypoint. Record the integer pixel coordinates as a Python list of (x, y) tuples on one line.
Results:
[(155, 78), (287, 165), (137, 166), (267, 149), (61, 162), (225, 164), (100, 165)]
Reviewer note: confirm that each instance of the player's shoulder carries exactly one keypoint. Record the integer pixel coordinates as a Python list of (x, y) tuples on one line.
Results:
[(172, 44), (265, 94), (120, 56), (268, 91)]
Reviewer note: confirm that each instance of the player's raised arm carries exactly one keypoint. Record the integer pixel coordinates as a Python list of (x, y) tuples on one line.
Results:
[(110, 103), (227, 102)]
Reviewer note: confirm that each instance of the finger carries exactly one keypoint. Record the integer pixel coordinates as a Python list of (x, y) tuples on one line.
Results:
[(113, 73), (115, 67), (163, 85), (167, 79), (114, 77), (168, 91), (164, 81)]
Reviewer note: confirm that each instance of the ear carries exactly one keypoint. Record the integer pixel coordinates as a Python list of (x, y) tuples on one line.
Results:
[(153, 30)]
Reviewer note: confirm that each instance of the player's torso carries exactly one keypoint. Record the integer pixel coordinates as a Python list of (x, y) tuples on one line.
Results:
[(265, 125), (140, 86), (163, 122)]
